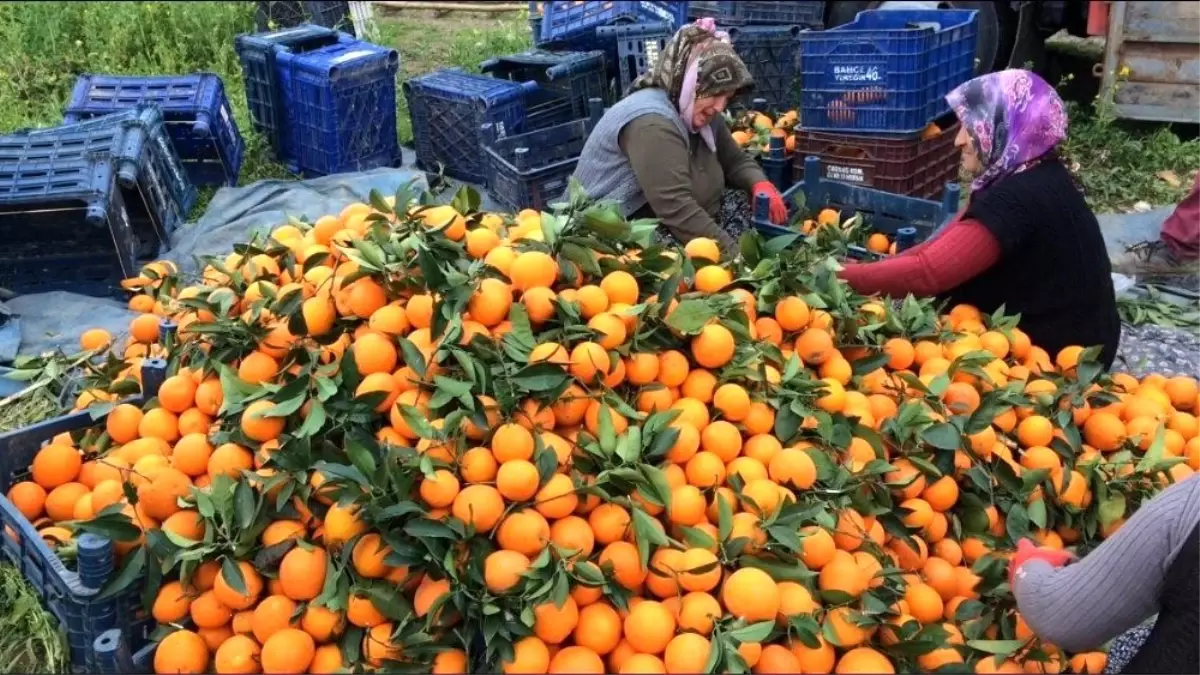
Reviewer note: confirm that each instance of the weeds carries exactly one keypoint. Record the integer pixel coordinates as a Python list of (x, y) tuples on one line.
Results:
[(30, 641)]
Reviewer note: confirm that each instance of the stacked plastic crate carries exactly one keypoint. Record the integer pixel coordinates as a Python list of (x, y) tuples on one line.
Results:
[(872, 103), (82, 205), (195, 109), (325, 101)]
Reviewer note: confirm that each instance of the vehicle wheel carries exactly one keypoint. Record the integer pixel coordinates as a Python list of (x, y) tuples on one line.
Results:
[(996, 28)]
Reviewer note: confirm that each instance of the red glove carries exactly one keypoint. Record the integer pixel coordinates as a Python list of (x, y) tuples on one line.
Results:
[(1026, 551), (778, 212)]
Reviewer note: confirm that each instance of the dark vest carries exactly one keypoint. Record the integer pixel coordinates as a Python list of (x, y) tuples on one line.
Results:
[(1173, 646), (1053, 270)]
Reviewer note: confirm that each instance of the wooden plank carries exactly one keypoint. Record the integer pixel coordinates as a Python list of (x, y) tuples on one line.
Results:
[(1163, 22), (1161, 63)]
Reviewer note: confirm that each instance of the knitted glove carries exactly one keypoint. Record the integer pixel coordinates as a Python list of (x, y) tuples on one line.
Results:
[(778, 211), (1026, 551)]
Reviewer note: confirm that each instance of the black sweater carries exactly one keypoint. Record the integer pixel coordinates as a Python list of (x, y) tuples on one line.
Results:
[(1054, 269)]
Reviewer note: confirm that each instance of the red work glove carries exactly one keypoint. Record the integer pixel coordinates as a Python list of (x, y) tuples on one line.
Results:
[(778, 212), (1026, 551)]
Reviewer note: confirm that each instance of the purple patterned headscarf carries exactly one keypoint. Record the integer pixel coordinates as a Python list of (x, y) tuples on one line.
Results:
[(1013, 118)]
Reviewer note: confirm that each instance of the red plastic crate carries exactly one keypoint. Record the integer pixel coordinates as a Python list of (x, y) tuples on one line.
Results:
[(904, 165)]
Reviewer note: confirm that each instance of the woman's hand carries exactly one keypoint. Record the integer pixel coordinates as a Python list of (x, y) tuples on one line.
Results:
[(1026, 551), (778, 211)]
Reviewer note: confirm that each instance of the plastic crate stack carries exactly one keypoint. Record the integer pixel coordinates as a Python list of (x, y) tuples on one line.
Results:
[(531, 170), (72, 594), (326, 101), (196, 111), (630, 33), (873, 103), (905, 220), (83, 205)]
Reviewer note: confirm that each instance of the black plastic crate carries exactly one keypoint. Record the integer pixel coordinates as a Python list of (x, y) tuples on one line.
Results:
[(264, 93), (71, 595), (195, 109), (912, 165), (636, 48), (808, 13), (531, 170), (276, 14), (566, 82), (449, 107), (68, 236), (772, 55), (156, 189)]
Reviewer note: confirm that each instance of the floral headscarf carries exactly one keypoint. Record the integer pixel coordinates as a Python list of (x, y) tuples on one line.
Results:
[(1013, 117), (697, 61)]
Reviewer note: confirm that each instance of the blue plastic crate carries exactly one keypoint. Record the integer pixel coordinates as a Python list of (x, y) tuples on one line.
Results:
[(448, 109), (195, 109), (777, 164), (567, 81), (70, 595), (264, 93), (808, 13), (886, 71), (913, 218), (157, 190), (574, 24), (637, 47), (531, 170), (771, 54), (340, 104)]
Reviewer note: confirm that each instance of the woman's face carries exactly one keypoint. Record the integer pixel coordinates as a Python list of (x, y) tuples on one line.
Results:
[(970, 158), (707, 108)]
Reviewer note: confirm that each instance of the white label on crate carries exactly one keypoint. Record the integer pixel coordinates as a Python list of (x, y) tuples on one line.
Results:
[(351, 55), (845, 174), (500, 130), (651, 50), (857, 73), (224, 114)]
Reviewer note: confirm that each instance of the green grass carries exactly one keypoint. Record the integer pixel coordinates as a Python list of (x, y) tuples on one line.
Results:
[(44, 46)]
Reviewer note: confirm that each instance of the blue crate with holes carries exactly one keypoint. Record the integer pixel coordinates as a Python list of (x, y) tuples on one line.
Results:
[(158, 189), (909, 220), (573, 24), (531, 170), (265, 96), (340, 102), (448, 109), (807, 13), (195, 109), (771, 54), (886, 71), (566, 81), (636, 48), (73, 596)]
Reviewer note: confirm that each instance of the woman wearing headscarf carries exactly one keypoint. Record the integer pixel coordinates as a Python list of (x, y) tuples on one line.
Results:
[(1026, 240), (664, 151)]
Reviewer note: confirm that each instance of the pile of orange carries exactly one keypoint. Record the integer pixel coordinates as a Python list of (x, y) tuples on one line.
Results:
[(474, 442), (753, 131)]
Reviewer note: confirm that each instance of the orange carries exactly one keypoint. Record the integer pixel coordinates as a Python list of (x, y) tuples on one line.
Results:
[(237, 595), (576, 660), (864, 660), (818, 659), (599, 628), (533, 269), (704, 249), (649, 627), (530, 655), (512, 441), (302, 572), (1035, 430), (713, 347), (815, 346), (751, 594), (503, 570), (182, 651), (792, 313), (846, 632), (289, 650)]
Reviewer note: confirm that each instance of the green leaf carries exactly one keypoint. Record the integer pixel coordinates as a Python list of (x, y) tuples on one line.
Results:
[(540, 377), (232, 574), (131, 571), (417, 421), (245, 506), (1154, 454), (997, 647), (1037, 513), (944, 436), (413, 358), (646, 532), (1112, 509), (691, 315), (755, 632)]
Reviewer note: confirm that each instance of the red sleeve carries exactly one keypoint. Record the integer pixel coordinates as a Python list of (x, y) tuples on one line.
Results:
[(964, 250)]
